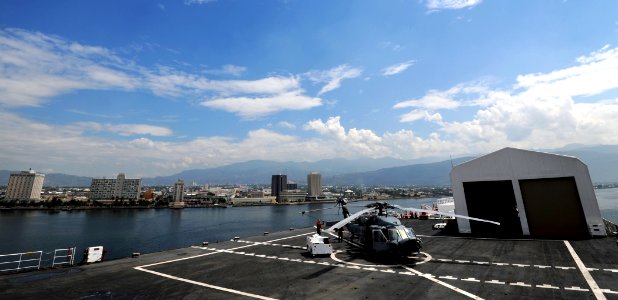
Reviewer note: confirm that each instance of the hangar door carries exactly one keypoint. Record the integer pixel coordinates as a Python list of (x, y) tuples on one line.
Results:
[(492, 200), (553, 208)]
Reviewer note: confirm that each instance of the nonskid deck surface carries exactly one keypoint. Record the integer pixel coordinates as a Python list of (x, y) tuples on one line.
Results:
[(276, 266)]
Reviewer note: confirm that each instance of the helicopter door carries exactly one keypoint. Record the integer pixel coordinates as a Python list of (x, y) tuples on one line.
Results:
[(379, 241)]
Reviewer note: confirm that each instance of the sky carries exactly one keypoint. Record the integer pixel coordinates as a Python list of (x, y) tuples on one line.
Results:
[(149, 88)]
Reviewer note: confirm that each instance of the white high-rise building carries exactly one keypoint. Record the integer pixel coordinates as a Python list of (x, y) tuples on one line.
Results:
[(119, 188), (179, 191), (314, 184), (25, 185)]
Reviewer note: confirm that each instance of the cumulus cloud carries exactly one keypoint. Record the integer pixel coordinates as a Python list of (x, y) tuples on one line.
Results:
[(469, 94), (450, 4), (549, 109), (333, 77), (397, 68)]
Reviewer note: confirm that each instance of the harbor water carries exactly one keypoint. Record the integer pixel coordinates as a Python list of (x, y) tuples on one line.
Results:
[(124, 231)]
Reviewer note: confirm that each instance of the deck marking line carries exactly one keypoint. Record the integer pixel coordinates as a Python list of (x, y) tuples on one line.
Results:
[(470, 279), (442, 283), (611, 270), (520, 265), (448, 277), (576, 288), (541, 266), (547, 286), (609, 291), (218, 251), (204, 284), (582, 268), (520, 284), (495, 282)]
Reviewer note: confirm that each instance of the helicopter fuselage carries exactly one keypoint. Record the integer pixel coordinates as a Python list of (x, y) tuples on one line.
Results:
[(379, 234)]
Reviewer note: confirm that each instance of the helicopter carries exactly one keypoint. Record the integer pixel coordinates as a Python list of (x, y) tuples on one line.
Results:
[(378, 232)]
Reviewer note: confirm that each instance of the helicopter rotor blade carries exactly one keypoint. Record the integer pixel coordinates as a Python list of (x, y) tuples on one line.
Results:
[(347, 220), (446, 214), (313, 210)]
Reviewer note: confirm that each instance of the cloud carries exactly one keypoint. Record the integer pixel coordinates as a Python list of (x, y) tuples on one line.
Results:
[(198, 2), (450, 4), (286, 125), (255, 107), (227, 70), (122, 129), (569, 105), (35, 67), (397, 68), (333, 77), (461, 95)]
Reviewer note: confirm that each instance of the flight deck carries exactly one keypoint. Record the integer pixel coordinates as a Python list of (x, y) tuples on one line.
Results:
[(277, 266)]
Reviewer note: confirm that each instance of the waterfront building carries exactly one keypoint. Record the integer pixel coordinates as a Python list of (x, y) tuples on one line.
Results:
[(279, 184), (314, 184), (25, 185), (120, 188), (179, 194), (179, 191), (291, 196)]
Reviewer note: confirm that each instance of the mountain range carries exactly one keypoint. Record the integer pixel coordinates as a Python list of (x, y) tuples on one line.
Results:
[(602, 161)]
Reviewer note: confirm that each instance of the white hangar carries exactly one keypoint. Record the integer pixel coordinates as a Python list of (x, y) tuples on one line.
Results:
[(530, 193)]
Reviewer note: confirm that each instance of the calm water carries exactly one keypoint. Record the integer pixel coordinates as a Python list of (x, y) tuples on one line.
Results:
[(150, 230), (124, 231)]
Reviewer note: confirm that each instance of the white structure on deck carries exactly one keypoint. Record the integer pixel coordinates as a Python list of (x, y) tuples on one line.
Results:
[(530, 193)]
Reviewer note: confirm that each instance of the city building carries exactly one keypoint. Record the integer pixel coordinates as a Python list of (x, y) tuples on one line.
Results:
[(179, 194), (314, 184), (291, 196), (120, 188), (25, 185), (279, 184), (530, 193), (179, 191)]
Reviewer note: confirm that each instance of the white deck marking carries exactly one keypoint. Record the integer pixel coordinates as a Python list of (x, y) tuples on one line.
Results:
[(519, 283), (598, 293), (609, 291), (472, 279), (142, 268), (495, 282), (442, 283), (547, 286), (520, 265), (576, 288), (611, 270), (541, 266), (204, 284), (449, 277)]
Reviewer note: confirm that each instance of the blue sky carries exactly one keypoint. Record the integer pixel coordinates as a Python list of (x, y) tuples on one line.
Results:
[(155, 87)]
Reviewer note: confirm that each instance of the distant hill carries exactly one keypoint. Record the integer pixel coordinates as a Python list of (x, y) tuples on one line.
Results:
[(602, 161), (420, 174), (260, 171)]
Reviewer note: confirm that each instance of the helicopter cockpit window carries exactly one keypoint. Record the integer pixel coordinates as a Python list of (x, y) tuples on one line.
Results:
[(393, 234), (378, 237)]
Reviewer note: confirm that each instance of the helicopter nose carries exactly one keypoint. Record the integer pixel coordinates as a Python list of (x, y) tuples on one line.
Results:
[(410, 246)]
